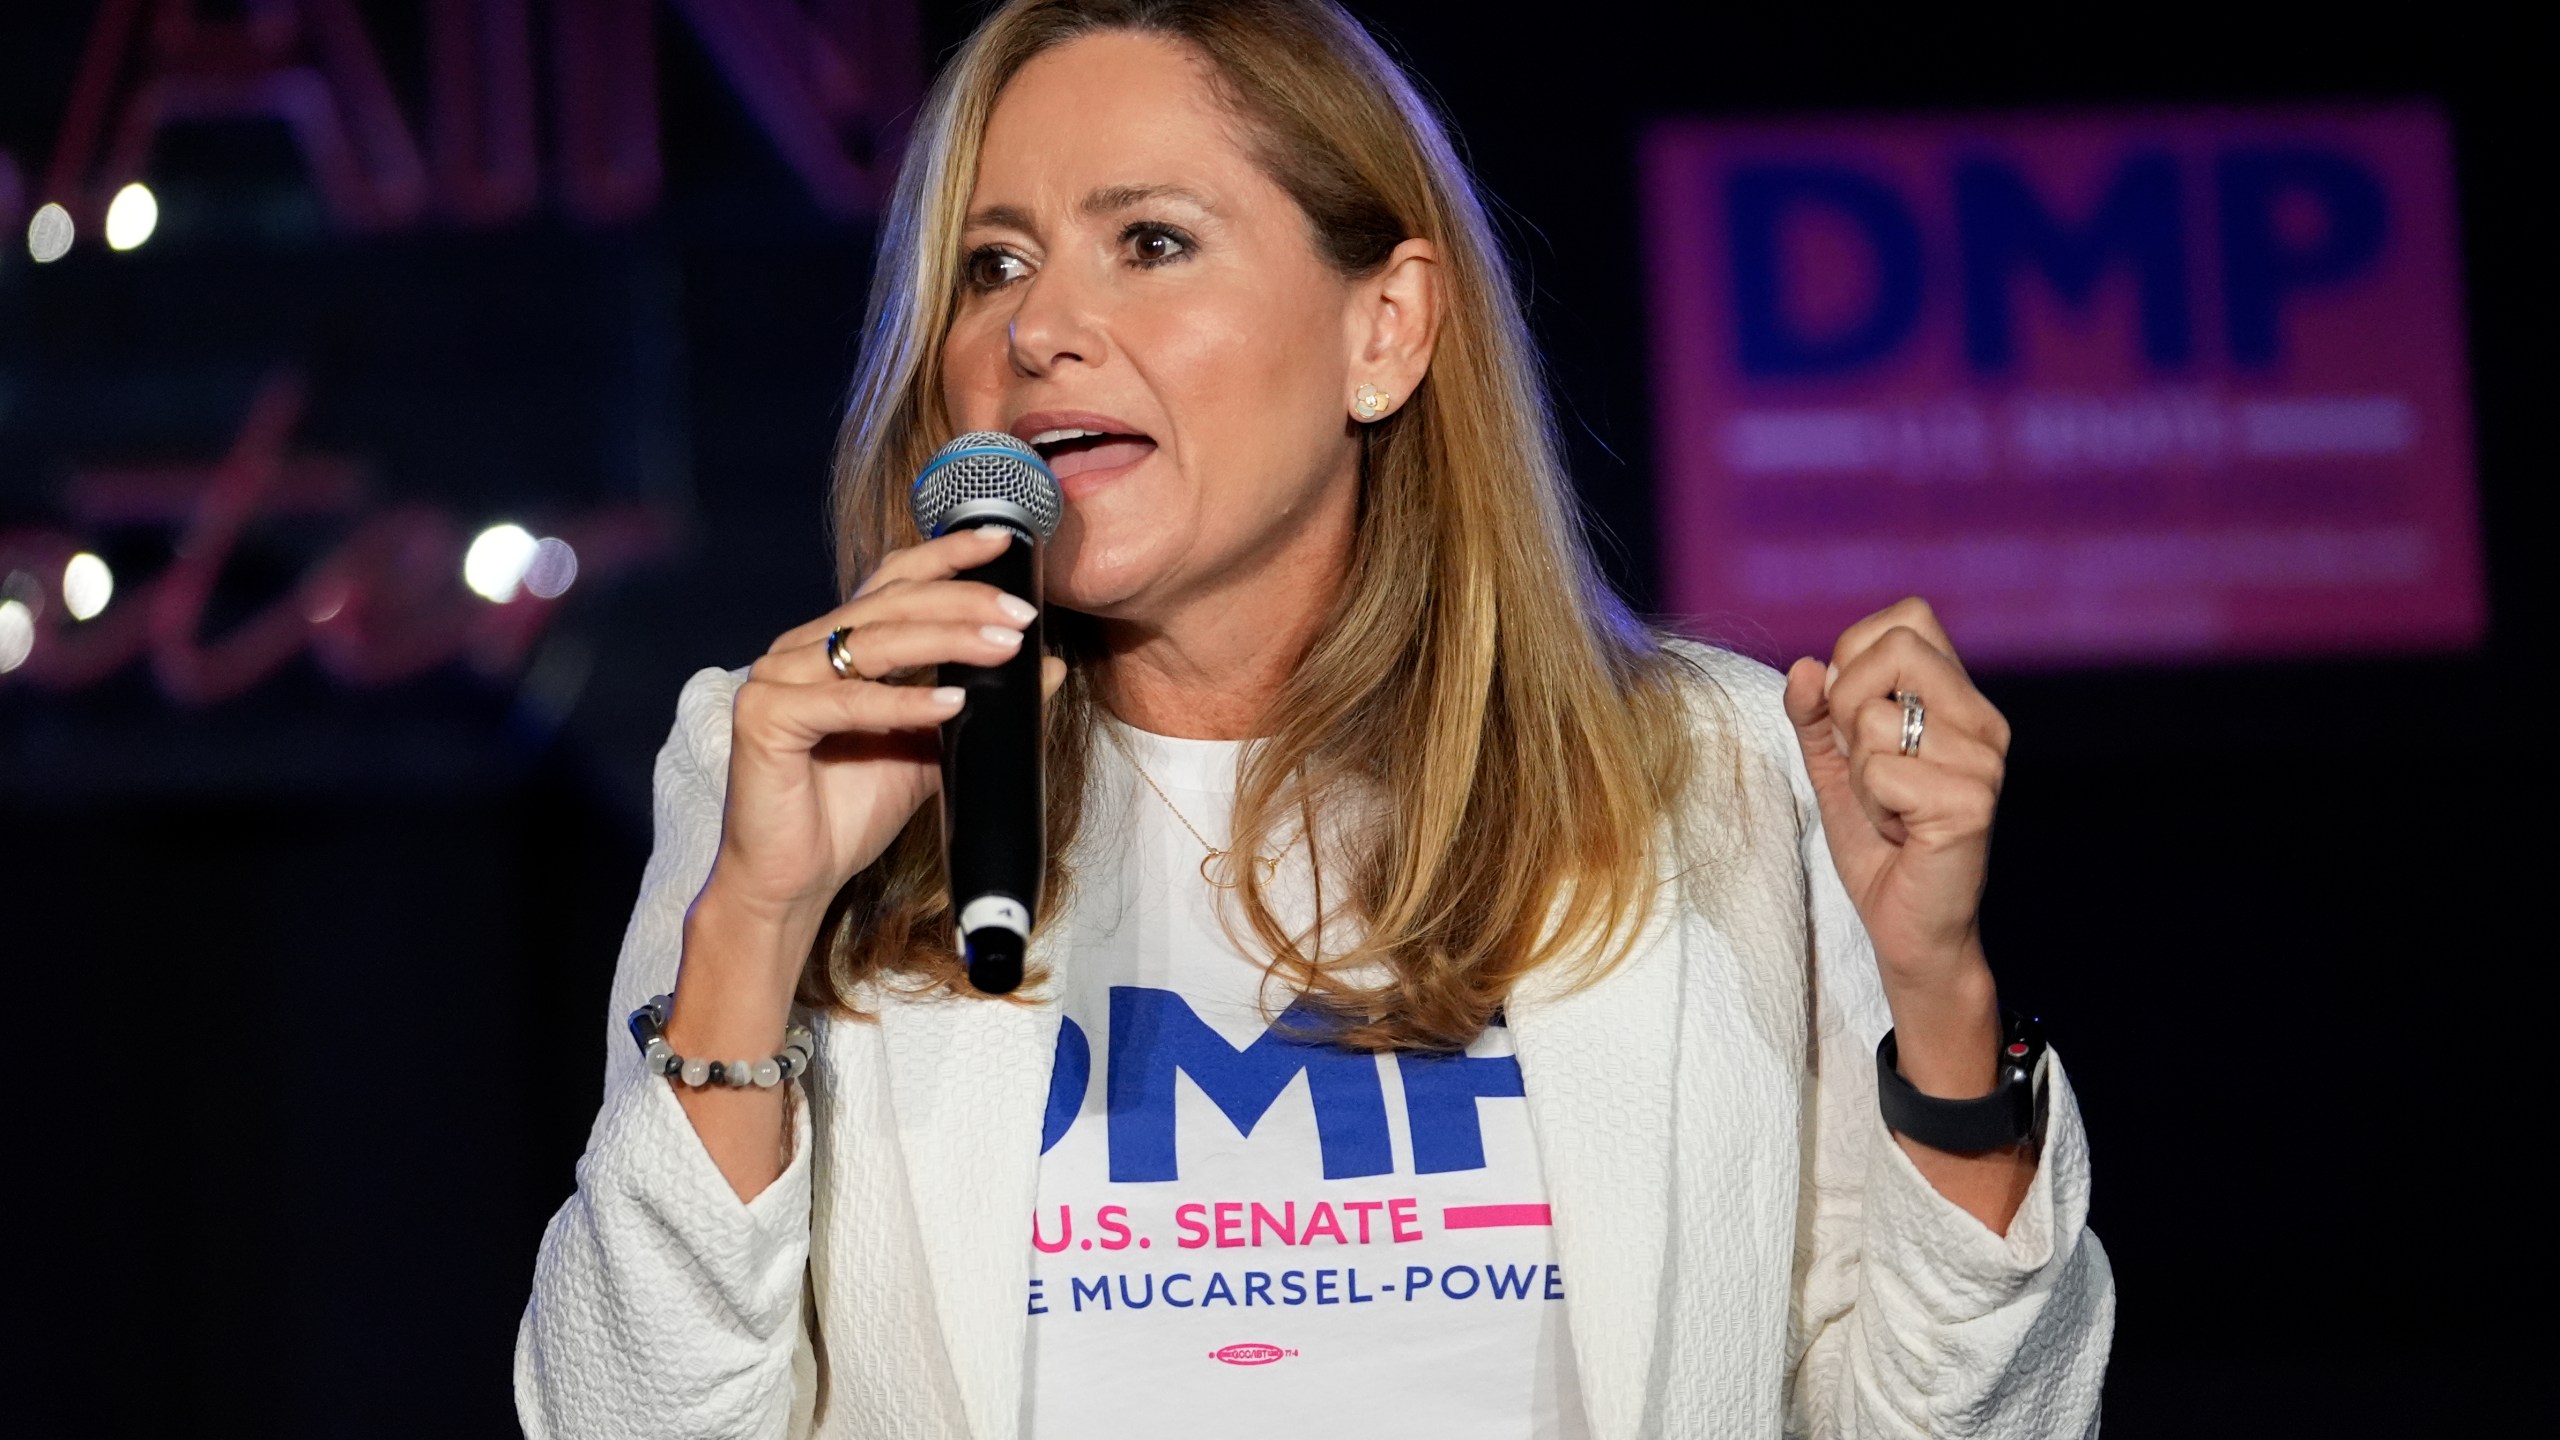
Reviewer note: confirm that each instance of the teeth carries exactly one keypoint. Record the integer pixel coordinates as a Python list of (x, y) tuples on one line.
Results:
[(1052, 437)]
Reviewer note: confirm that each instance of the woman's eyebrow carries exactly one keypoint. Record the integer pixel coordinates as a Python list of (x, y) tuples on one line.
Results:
[(1102, 200), (1109, 198), (1000, 217)]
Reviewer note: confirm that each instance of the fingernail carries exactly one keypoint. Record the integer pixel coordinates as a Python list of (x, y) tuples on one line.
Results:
[(999, 635), (1830, 677), (1019, 610), (949, 695)]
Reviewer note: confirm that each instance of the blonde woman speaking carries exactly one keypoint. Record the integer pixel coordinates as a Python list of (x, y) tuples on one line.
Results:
[(1456, 1008)]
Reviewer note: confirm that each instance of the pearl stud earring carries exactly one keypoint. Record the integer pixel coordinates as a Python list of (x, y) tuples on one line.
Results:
[(1370, 401)]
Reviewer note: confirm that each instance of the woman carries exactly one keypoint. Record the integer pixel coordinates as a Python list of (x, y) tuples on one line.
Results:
[(1456, 1009)]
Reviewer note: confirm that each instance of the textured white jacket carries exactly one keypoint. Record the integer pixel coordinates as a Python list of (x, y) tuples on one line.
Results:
[(1752, 1254)]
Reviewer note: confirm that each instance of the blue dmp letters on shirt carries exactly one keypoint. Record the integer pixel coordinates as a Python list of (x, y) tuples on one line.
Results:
[(1154, 1034), (1440, 1093)]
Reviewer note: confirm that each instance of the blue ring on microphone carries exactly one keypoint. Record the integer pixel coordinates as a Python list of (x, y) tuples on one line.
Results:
[(1032, 459)]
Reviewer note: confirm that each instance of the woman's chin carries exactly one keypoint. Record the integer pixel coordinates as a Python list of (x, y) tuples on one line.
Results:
[(1101, 601), (1114, 542), (1086, 571)]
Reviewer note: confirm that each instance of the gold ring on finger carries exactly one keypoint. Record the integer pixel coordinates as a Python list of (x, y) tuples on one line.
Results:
[(840, 653)]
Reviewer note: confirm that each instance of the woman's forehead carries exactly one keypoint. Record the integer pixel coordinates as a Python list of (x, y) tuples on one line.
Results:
[(1107, 121)]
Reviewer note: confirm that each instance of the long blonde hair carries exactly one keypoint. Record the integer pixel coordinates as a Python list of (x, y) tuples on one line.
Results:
[(1517, 734)]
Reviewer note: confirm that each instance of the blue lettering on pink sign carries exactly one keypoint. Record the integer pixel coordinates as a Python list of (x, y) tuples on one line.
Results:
[(1759, 199), (2003, 225), (2000, 222), (2258, 268)]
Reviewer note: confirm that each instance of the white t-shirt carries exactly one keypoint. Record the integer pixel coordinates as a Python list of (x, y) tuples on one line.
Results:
[(1252, 1234)]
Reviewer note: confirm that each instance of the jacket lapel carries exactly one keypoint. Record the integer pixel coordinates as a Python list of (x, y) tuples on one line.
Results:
[(1598, 1069), (969, 1079)]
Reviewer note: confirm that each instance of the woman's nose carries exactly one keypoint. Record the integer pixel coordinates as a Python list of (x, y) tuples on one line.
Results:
[(1052, 326)]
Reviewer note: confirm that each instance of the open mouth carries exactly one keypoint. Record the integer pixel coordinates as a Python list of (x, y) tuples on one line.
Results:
[(1074, 452)]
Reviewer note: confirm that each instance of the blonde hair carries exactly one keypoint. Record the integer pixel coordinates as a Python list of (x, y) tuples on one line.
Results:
[(1516, 733)]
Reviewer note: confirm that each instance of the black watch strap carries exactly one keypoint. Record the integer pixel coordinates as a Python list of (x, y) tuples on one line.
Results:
[(2011, 1114)]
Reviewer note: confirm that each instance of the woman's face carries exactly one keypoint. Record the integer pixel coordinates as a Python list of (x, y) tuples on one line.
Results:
[(1145, 306)]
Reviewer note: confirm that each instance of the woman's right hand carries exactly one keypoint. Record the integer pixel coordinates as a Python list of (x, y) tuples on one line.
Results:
[(824, 771)]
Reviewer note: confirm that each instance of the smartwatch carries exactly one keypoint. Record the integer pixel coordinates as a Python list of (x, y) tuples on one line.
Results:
[(2012, 1114)]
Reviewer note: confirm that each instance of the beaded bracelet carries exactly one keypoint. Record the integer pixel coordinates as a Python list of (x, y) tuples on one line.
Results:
[(648, 1031)]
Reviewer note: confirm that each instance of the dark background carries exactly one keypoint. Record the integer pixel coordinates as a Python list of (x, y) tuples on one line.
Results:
[(307, 983)]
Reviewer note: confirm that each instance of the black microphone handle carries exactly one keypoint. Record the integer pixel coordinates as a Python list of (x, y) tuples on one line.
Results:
[(994, 807)]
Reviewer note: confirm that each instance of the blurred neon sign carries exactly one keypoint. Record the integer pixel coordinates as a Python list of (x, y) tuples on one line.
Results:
[(825, 82), (387, 604), (2177, 384)]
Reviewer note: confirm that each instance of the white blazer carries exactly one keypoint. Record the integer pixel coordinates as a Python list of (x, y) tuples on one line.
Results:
[(1752, 1254)]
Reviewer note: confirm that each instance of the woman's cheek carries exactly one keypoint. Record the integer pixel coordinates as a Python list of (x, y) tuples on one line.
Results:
[(973, 376)]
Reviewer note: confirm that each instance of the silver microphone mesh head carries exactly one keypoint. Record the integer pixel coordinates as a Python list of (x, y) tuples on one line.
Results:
[(987, 473)]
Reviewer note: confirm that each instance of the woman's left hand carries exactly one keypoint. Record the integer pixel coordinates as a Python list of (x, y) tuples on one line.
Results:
[(1911, 834)]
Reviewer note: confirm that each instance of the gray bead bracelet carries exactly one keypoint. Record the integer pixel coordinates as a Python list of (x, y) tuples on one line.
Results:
[(648, 1031)]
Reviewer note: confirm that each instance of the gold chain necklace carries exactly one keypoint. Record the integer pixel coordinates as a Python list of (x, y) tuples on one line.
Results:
[(1270, 863)]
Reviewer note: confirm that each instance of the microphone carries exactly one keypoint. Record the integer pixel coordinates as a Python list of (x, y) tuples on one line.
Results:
[(995, 835)]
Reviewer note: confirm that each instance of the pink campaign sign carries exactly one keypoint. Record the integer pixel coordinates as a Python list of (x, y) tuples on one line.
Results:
[(2167, 385)]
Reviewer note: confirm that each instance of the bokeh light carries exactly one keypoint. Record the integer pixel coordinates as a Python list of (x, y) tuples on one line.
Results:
[(49, 234), (17, 634), (553, 569), (132, 216), (494, 566), (323, 603), (87, 585)]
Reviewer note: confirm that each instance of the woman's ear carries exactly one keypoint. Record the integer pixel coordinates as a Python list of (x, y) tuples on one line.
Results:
[(1392, 324)]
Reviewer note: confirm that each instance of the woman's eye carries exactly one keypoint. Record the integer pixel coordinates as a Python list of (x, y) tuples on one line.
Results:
[(1152, 245), (992, 269)]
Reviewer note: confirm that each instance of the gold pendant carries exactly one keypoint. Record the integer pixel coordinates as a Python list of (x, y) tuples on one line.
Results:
[(1270, 869)]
